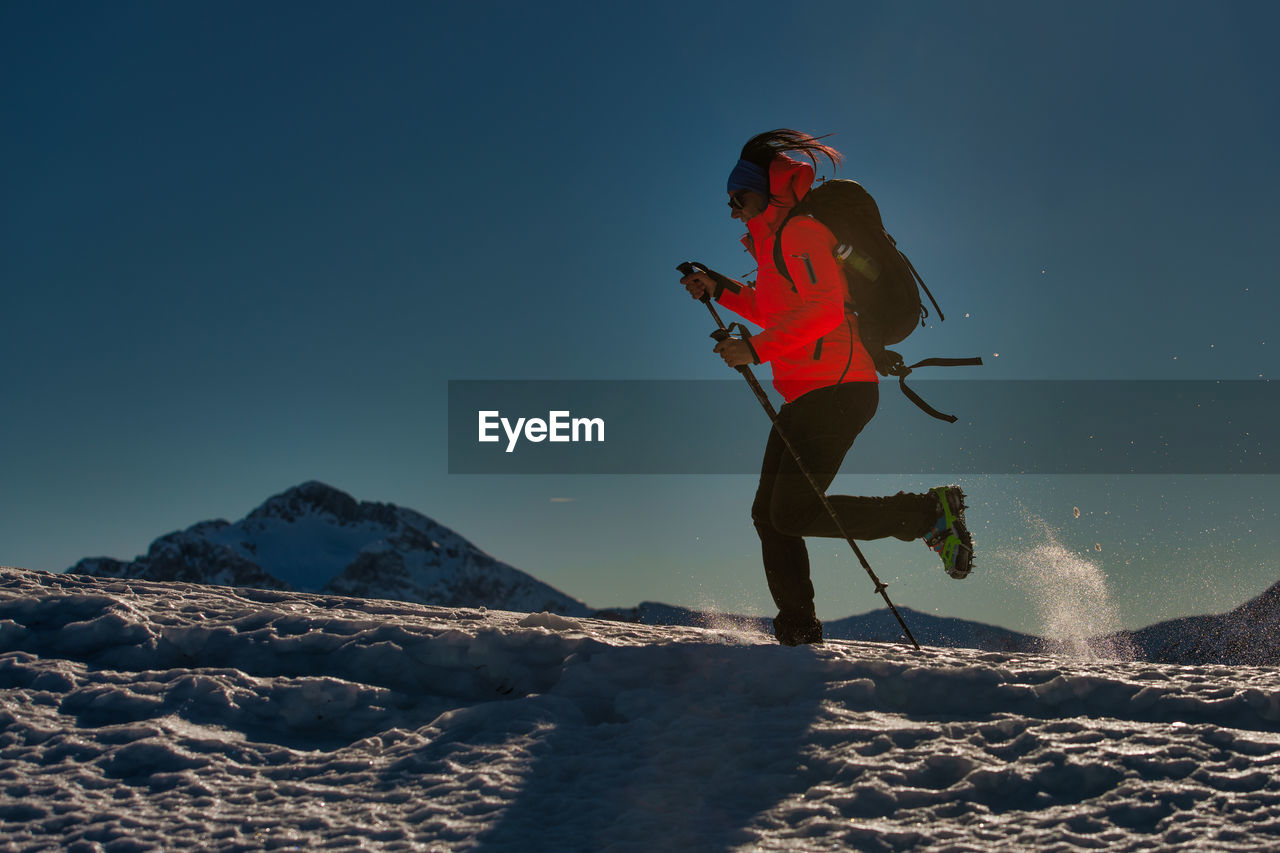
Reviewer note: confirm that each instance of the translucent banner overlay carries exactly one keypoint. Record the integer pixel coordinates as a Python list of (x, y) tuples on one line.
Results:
[(1004, 427)]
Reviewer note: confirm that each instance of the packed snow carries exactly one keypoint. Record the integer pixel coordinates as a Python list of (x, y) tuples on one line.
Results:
[(143, 715)]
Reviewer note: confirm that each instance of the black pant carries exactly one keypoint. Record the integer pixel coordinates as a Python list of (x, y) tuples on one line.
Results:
[(822, 425)]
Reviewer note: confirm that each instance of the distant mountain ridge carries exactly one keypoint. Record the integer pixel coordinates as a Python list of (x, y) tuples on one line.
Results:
[(876, 626), (1249, 635), (315, 538)]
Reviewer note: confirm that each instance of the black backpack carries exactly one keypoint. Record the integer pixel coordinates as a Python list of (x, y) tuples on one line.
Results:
[(884, 287)]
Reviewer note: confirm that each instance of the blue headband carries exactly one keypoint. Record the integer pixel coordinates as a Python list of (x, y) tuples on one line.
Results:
[(748, 176)]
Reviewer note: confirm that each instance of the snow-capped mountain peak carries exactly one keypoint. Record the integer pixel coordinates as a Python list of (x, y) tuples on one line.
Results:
[(314, 498), (315, 538)]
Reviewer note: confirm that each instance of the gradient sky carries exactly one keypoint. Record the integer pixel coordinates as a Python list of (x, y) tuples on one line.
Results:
[(244, 245)]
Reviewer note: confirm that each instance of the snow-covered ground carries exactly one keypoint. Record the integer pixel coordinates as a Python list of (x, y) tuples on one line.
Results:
[(143, 715)]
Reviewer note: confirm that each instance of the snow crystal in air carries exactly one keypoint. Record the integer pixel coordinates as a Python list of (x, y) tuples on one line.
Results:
[(1072, 597)]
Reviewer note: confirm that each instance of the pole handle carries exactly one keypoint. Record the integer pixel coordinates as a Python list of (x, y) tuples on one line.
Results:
[(723, 282)]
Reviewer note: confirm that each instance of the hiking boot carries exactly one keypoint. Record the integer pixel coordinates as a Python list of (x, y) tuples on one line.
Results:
[(792, 630), (950, 537)]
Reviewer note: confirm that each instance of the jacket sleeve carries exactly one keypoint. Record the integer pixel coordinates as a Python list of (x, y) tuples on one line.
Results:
[(808, 251), (742, 303)]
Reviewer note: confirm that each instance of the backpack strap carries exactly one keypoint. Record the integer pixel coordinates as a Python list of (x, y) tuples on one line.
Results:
[(916, 276), (901, 371), (779, 260)]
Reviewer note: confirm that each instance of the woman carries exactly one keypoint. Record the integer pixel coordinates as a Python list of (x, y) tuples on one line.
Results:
[(825, 375)]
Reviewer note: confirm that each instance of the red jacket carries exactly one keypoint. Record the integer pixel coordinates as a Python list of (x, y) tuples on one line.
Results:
[(807, 336)]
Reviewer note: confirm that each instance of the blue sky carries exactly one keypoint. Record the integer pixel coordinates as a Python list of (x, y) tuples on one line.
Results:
[(245, 245)]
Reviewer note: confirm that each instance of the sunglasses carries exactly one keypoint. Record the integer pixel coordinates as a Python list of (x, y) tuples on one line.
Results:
[(738, 199)]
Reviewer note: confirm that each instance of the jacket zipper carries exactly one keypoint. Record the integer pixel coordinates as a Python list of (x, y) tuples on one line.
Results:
[(849, 362), (813, 279), (808, 267)]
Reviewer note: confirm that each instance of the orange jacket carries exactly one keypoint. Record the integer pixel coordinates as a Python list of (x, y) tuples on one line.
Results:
[(807, 335)]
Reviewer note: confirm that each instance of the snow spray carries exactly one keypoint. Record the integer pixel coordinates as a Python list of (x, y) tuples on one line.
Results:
[(1073, 598), (730, 628)]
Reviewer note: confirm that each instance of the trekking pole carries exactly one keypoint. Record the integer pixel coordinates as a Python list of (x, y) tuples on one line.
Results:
[(723, 333)]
